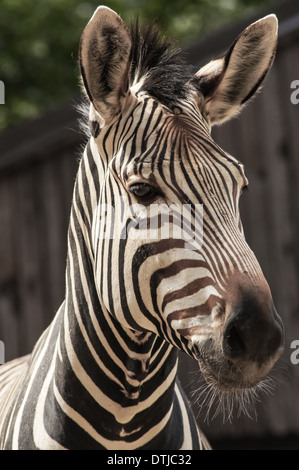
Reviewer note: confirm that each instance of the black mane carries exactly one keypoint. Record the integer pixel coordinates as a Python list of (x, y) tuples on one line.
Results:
[(163, 66)]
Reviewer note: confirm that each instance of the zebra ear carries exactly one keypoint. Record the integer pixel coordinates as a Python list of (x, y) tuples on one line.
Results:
[(226, 84), (104, 59)]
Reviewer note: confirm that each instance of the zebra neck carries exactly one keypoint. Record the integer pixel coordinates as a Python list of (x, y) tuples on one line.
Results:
[(113, 364), (106, 372), (117, 382)]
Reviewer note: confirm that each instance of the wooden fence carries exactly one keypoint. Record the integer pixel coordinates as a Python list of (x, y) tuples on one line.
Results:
[(38, 164)]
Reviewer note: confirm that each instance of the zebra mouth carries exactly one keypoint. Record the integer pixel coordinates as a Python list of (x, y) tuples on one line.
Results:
[(223, 374)]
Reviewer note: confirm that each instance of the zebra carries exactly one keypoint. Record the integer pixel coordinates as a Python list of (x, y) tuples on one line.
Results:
[(103, 375)]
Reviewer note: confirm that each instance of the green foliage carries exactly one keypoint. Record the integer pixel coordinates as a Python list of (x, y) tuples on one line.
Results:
[(39, 43)]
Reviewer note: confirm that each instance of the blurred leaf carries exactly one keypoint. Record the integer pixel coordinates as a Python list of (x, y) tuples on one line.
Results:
[(39, 43)]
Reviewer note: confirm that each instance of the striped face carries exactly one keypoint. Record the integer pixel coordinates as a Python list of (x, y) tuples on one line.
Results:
[(170, 253), (174, 222)]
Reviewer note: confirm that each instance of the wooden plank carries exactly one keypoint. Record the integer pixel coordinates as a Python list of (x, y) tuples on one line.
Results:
[(58, 182), (53, 236), (9, 301), (27, 256)]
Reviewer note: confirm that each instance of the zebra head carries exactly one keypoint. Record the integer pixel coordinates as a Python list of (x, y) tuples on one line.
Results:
[(170, 257)]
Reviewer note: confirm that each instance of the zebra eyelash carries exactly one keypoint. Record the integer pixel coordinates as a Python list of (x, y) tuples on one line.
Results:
[(144, 191)]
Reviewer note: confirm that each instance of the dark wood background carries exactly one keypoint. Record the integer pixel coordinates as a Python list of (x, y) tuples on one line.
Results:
[(38, 164)]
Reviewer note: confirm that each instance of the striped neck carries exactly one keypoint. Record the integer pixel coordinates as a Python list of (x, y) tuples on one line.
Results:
[(122, 381)]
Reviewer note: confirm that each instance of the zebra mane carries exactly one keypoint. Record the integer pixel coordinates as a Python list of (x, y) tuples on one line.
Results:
[(161, 65)]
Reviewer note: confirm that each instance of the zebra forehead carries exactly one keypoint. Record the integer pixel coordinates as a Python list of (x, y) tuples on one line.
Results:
[(178, 141)]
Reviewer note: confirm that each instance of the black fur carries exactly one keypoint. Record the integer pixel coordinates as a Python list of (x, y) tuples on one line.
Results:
[(163, 65)]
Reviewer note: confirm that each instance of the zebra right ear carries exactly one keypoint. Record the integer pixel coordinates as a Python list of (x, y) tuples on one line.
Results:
[(104, 59)]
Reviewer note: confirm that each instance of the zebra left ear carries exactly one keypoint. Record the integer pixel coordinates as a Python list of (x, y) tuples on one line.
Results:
[(226, 84), (104, 57)]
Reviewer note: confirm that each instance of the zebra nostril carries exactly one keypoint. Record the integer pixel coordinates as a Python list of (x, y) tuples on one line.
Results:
[(252, 333), (234, 345)]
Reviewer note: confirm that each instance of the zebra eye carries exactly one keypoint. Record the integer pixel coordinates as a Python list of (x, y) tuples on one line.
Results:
[(143, 190)]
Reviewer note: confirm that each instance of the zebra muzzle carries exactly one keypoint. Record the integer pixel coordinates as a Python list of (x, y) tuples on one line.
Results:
[(253, 332)]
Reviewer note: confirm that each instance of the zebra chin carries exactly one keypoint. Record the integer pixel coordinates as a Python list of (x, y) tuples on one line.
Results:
[(226, 375)]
